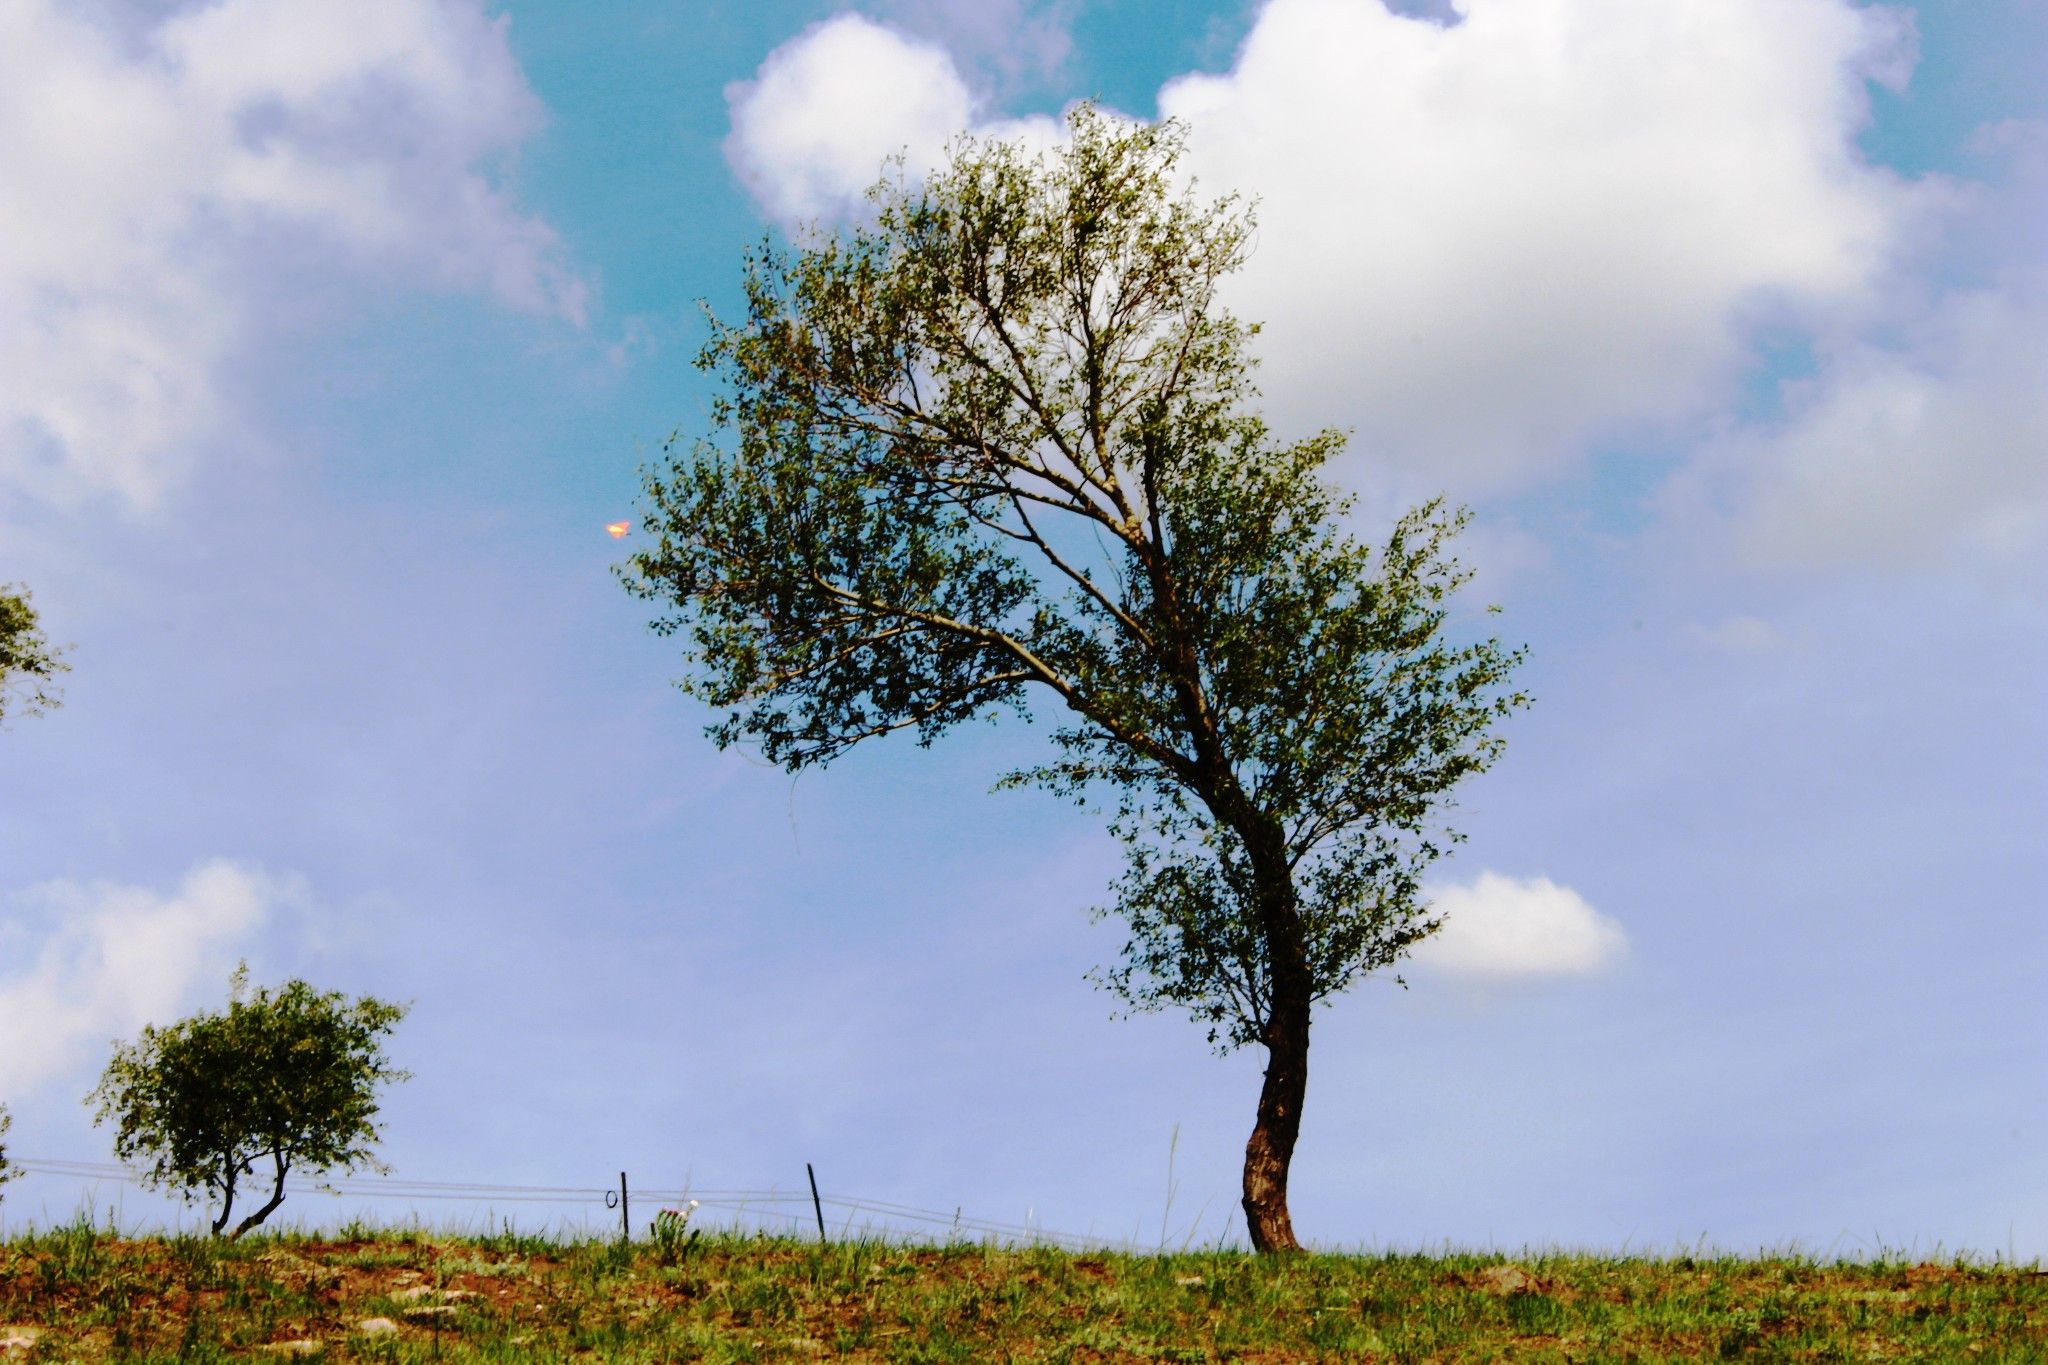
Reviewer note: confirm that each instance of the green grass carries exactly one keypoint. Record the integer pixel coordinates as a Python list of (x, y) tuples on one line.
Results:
[(89, 1295)]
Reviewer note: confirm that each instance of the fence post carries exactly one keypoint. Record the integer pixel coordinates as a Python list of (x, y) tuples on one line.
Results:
[(816, 1206), (625, 1210)]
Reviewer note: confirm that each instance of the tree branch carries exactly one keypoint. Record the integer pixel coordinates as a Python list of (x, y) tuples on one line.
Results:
[(1036, 670), (1087, 584), (952, 697), (276, 1197), (778, 679)]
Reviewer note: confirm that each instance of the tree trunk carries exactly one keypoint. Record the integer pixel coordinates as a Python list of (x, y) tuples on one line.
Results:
[(227, 1198), (1271, 1149), (276, 1198)]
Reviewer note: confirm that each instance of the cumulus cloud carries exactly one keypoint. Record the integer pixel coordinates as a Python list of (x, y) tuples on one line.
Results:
[(1492, 244), (1926, 442), (1505, 929), (811, 130), (153, 166), (1890, 453), (1488, 244), (92, 962), (1484, 244)]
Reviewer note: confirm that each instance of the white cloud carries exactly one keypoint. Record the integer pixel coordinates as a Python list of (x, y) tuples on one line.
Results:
[(102, 960), (811, 130), (1895, 453), (1928, 443), (1488, 244), (152, 170), (1012, 41), (1504, 929), (1483, 244)]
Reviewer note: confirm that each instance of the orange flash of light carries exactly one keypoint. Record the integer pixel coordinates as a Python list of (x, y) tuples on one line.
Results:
[(618, 528)]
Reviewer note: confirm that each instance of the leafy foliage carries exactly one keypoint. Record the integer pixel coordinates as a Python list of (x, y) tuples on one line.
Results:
[(999, 444), (287, 1077), (28, 663), (672, 1235), (1000, 438), (7, 1172)]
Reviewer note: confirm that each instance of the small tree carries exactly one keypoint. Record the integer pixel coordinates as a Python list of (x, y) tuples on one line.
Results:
[(7, 1172), (1001, 444), (288, 1078), (28, 665)]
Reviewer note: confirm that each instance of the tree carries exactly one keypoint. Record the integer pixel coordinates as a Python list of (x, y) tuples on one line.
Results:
[(999, 443), (287, 1077), (7, 1172), (28, 664)]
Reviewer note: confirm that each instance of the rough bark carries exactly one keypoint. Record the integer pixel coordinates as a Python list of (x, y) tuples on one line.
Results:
[(1270, 1151)]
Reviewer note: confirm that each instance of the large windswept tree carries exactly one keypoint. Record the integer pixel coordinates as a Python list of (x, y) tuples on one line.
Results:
[(1002, 439)]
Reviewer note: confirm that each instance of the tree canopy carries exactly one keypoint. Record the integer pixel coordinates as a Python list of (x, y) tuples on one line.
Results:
[(999, 443), (28, 664), (288, 1078)]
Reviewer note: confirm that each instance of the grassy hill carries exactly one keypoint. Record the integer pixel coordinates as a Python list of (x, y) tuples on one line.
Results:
[(77, 1294)]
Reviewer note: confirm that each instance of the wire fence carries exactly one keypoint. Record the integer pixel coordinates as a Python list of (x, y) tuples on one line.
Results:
[(762, 1205)]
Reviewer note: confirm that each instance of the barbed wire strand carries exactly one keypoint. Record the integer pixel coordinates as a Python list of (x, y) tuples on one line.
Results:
[(756, 1201)]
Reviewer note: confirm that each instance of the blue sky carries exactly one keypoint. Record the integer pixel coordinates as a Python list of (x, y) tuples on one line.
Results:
[(331, 336)]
